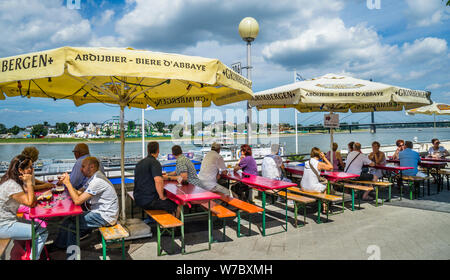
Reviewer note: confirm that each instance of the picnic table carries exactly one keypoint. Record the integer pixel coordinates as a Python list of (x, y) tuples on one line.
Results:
[(261, 184), (188, 194), (429, 165), (331, 176), (61, 205)]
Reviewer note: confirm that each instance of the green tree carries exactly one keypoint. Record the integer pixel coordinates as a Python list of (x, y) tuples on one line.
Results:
[(61, 128), (131, 125), (3, 129), (14, 130), (160, 126), (38, 130)]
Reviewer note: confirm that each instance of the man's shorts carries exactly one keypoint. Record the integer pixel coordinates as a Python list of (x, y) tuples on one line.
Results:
[(365, 177), (157, 204)]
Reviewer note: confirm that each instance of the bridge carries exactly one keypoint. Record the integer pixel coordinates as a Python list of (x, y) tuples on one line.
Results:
[(373, 126)]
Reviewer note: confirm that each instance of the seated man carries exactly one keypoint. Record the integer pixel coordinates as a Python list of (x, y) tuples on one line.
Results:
[(149, 184), (354, 165), (437, 151), (102, 202), (411, 158), (212, 168), (184, 168), (77, 179)]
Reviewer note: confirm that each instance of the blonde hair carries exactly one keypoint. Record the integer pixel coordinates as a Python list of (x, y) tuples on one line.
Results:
[(315, 152), (92, 160), (31, 152)]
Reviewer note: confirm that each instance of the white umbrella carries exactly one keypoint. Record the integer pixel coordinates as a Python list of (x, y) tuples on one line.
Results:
[(339, 93), (433, 109)]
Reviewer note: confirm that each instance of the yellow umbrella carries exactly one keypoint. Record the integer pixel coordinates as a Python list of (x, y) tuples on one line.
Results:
[(433, 109), (338, 93), (127, 77)]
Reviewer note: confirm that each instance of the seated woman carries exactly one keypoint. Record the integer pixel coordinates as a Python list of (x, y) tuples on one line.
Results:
[(248, 165), (16, 187), (310, 180), (400, 147), (378, 157), (338, 163), (33, 154)]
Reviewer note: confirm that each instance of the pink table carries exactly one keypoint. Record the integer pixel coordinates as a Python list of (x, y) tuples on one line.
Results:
[(332, 176), (186, 194), (261, 184), (62, 206)]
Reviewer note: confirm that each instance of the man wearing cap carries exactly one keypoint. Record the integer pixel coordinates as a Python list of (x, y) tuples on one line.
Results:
[(212, 167), (77, 179)]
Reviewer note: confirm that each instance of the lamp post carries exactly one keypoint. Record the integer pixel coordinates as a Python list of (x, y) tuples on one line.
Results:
[(248, 30)]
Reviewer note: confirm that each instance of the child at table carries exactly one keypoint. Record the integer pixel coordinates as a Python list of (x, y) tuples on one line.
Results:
[(16, 187)]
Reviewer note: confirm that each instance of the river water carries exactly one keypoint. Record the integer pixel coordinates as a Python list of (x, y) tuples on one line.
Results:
[(306, 142)]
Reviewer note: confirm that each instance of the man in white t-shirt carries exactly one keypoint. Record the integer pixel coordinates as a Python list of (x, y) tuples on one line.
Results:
[(101, 198), (354, 164), (213, 166)]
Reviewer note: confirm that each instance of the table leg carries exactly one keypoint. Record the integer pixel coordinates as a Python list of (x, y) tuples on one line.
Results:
[(319, 206), (183, 250), (264, 213), (77, 225), (286, 209), (33, 240), (376, 196), (428, 180), (353, 200), (209, 225)]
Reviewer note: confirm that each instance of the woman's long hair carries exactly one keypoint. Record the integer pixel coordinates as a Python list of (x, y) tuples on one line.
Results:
[(19, 161)]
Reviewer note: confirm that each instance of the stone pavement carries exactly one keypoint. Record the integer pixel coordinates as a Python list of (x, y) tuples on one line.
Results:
[(398, 230)]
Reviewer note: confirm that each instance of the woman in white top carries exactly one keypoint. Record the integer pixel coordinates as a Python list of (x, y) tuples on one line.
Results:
[(310, 180)]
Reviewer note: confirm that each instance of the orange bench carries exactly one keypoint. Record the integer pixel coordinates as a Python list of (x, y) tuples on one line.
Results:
[(113, 234), (165, 221), (220, 212), (241, 206), (357, 188), (298, 200), (320, 197)]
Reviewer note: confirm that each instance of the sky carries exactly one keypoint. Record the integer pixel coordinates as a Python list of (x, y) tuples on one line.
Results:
[(403, 43)]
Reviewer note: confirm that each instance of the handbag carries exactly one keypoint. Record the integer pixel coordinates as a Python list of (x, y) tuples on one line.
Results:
[(321, 179)]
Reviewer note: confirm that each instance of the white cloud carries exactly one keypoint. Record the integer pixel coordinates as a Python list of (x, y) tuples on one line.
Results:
[(35, 25), (426, 12)]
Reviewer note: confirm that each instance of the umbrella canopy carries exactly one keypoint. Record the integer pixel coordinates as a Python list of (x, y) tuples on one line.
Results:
[(340, 93), (127, 77), (433, 109)]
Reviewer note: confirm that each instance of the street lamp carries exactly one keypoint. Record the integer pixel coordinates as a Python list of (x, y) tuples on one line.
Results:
[(248, 30)]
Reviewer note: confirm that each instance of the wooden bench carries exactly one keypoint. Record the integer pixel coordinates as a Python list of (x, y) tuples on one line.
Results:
[(376, 185), (3, 245), (358, 188), (298, 200), (113, 234), (167, 222), (241, 206), (220, 212), (131, 196), (446, 173), (328, 198), (412, 186)]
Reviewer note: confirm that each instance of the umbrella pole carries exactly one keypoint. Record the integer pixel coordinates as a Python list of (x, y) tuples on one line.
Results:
[(122, 162), (434, 118), (296, 133)]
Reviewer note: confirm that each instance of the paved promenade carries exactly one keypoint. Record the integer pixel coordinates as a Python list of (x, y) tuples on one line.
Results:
[(399, 230)]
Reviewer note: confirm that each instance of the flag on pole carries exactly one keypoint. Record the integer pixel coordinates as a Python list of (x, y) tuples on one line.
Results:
[(298, 77)]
